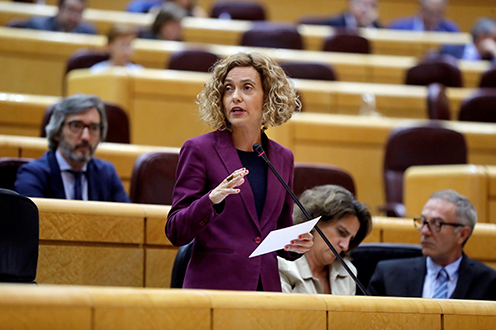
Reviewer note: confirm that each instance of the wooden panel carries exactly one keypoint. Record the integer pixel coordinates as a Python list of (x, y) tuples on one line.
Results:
[(90, 265), (421, 182), (478, 315), (249, 310), (156, 216), (33, 307), (151, 309), (158, 269)]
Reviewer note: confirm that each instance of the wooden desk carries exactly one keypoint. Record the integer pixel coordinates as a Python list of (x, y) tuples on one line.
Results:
[(464, 12), (54, 307), (122, 156), (28, 57), (357, 145), (168, 99), (213, 31), (476, 182), (102, 243)]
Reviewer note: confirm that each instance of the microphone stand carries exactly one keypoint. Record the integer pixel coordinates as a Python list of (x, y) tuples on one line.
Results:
[(261, 153)]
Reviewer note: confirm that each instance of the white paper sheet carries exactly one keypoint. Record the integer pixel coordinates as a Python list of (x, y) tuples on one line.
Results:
[(278, 239)]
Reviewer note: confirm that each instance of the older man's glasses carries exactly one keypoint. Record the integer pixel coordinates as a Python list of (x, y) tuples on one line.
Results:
[(434, 225), (77, 127)]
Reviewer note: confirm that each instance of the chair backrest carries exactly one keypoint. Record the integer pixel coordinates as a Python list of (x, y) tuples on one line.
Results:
[(307, 176), (117, 119), (479, 106), (366, 256), (441, 69), (438, 106), (192, 60), (84, 59), (8, 170), (430, 144), (488, 78), (309, 70), (19, 238), (180, 264), (272, 35), (153, 178), (241, 10), (347, 43)]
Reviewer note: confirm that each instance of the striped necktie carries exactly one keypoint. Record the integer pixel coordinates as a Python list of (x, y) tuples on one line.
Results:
[(441, 291)]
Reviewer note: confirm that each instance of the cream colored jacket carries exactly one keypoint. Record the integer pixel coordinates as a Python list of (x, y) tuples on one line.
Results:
[(296, 277)]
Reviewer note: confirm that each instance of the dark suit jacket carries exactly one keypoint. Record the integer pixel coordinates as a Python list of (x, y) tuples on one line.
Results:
[(407, 23), (50, 24), (405, 278), (224, 240), (42, 178), (340, 21)]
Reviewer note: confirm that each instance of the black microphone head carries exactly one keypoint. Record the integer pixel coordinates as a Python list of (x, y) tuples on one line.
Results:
[(258, 148)]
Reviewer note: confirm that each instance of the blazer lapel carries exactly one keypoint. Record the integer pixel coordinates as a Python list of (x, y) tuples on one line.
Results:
[(415, 281), (93, 184), (56, 184), (229, 157), (465, 277)]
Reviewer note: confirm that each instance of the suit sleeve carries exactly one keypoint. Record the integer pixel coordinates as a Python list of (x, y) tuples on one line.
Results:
[(30, 182), (376, 283), (191, 207)]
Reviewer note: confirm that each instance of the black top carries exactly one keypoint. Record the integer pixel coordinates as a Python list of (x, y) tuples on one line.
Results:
[(257, 177)]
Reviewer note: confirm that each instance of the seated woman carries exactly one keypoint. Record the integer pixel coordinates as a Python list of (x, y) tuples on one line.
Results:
[(345, 222), (119, 46), (167, 24)]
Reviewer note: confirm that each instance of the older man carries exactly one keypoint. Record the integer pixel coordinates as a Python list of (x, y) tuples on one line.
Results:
[(69, 170), (68, 19), (360, 13), (429, 18), (446, 223)]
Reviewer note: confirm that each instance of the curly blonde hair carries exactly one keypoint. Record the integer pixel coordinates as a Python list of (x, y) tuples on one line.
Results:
[(280, 98)]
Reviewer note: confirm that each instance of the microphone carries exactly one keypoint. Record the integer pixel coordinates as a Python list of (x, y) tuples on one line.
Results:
[(261, 153)]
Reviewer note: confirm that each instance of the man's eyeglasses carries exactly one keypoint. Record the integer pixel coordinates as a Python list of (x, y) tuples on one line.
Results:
[(77, 127), (434, 225)]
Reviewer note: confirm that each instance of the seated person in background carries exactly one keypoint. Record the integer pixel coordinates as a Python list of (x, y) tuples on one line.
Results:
[(68, 19), (483, 46), (69, 170), (360, 13), (446, 223), (167, 24), (429, 18), (345, 222), (145, 6), (119, 45)]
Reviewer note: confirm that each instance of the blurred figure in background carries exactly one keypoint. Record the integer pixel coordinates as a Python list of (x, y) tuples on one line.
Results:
[(167, 24), (429, 18), (360, 13), (120, 48), (68, 19), (483, 45), (145, 6), (346, 223)]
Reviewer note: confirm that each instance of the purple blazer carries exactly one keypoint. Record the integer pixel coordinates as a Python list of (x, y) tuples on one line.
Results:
[(223, 241)]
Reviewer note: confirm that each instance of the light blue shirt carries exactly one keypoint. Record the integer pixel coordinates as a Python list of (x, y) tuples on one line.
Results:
[(68, 178), (431, 281), (105, 65), (470, 53)]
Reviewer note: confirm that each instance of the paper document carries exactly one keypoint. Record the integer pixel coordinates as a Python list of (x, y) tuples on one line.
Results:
[(278, 239)]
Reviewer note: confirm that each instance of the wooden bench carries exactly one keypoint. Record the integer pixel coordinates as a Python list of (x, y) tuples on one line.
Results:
[(476, 182), (122, 156)]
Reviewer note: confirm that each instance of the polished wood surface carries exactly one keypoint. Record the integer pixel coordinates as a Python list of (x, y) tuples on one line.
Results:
[(55, 307), (472, 181)]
